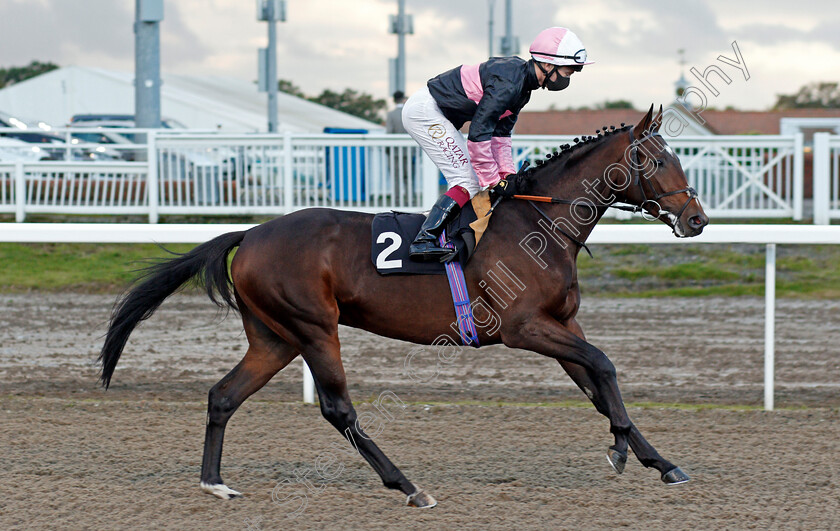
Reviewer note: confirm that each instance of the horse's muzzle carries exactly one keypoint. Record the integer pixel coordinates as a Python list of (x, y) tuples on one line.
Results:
[(694, 225)]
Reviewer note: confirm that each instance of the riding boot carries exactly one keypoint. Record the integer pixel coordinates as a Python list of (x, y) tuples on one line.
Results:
[(425, 247)]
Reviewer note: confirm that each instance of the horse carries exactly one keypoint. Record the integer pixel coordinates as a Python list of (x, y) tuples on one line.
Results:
[(295, 278)]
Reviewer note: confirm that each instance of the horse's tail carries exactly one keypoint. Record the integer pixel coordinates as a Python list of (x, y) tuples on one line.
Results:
[(208, 261)]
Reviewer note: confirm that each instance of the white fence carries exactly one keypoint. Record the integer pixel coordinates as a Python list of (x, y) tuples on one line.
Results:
[(188, 172), (826, 178), (210, 173), (769, 235), (735, 176)]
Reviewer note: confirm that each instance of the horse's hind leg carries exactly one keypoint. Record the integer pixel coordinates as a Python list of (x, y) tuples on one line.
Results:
[(617, 455), (337, 408), (267, 354)]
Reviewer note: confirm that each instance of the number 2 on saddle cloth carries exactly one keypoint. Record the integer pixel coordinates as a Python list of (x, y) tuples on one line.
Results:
[(393, 232)]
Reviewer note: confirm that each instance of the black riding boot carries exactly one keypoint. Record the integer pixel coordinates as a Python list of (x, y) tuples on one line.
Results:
[(425, 247)]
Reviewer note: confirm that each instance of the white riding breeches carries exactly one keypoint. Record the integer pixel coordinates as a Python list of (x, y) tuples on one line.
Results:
[(441, 141)]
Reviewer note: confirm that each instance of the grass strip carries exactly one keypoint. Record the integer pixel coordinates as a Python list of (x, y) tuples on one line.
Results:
[(803, 271)]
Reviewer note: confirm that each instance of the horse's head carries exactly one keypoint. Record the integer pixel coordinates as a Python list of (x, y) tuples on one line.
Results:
[(657, 182)]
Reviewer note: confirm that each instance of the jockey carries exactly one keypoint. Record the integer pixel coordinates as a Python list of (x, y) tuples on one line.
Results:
[(490, 96)]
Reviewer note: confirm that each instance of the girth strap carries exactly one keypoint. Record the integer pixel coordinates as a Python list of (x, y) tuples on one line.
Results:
[(460, 298)]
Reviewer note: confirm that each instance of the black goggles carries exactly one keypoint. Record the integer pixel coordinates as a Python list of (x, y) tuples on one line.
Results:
[(579, 57)]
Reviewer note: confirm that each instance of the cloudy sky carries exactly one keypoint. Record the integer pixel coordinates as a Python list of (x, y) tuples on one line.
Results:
[(344, 43)]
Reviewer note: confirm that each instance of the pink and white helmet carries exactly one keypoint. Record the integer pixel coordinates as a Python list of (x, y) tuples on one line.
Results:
[(559, 46)]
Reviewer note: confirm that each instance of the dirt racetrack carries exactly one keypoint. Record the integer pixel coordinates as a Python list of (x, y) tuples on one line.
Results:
[(76, 457)]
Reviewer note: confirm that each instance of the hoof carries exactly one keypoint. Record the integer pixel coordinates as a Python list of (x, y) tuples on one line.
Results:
[(617, 460), (675, 477), (220, 490), (420, 499)]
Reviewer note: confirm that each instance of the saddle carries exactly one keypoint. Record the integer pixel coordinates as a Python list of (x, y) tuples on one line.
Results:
[(392, 234)]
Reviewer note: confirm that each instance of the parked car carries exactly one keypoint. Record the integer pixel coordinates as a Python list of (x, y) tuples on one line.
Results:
[(48, 144), (185, 173), (117, 120), (14, 150), (121, 145), (30, 132)]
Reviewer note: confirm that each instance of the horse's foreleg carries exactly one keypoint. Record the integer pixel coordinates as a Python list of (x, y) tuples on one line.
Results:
[(644, 451), (595, 375), (337, 408), (546, 336), (266, 355), (617, 454), (617, 457)]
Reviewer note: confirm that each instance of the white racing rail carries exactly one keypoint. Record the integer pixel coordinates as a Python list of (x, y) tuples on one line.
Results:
[(769, 235)]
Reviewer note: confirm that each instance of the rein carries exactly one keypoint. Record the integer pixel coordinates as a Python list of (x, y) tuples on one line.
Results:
[(561, 231), (637, 181)]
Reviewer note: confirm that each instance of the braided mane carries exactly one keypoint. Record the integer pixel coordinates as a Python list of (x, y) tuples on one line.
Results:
[(567, 153)]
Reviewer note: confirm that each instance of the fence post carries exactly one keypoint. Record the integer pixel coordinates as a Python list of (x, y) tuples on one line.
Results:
[(152, 176), (20, 193), (431, 189), (798, 177), (769, 324), (822, 180), (68, 141), (288, 176)]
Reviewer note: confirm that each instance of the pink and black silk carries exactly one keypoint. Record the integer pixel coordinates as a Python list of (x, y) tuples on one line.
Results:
[(490, 96)]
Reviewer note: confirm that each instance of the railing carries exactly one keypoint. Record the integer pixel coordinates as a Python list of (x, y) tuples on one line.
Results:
[(189, 172), (826, 178), (744, 176), (269, 174), (7, 186), (735, 176)]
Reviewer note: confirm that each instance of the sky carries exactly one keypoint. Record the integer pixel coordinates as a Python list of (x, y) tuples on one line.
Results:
[(338, 44)]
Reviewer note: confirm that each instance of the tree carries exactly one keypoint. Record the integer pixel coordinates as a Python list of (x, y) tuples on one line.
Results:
[(615, 104), (607, 104), (352, 102), (820, 95), (284, 85), (16, 74)]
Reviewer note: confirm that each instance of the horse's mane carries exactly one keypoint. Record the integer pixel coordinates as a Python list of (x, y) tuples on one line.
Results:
[(566, 154)]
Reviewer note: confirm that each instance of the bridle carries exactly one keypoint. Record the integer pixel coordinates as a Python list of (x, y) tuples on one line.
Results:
[(639, 179)]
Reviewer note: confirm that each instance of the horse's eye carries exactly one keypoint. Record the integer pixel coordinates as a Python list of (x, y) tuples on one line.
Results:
[(660, 162)]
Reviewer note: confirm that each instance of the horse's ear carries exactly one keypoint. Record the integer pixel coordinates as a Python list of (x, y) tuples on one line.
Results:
[(642, 127), (657, 122)]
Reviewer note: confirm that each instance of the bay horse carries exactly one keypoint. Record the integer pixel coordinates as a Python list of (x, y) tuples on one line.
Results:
[(296, 278)]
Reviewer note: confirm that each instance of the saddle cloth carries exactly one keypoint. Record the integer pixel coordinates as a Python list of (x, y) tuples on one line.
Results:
[(392, 234)]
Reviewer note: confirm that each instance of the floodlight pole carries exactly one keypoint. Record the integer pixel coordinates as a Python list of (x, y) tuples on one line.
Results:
[(491, 4), (401, 24), (510, 43), (271, 67), (148, 14), (270, 11), (401, 46)]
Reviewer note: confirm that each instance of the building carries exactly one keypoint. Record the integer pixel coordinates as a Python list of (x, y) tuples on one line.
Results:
[(727, 122), (205, 102)]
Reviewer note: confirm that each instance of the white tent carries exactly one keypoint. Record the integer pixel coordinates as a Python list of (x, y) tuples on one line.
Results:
[(208, 102)]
